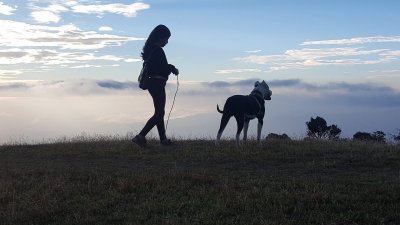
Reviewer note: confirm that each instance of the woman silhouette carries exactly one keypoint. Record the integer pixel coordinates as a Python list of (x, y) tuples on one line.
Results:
[(159, 70)]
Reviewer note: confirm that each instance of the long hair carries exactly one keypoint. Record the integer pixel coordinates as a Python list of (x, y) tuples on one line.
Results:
[(158, 33)]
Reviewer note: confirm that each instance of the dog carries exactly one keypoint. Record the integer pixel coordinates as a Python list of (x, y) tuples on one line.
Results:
[(245, 108)]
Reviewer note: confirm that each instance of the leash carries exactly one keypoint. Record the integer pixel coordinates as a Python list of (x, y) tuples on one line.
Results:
[(173, 102)]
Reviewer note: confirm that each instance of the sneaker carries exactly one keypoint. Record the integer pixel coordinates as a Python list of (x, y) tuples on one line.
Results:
[(166, 142), (139, 140)]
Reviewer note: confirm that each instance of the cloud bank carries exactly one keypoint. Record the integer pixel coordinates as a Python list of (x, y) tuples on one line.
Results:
[(361, 94), (37, 45), (45, 109), (20, 34), (313, 57), (345, 52), (49, 46)]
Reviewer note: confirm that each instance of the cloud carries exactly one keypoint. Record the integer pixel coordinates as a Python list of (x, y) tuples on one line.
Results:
[(385, 74), (13, 86), (45, 17), (55, 104), (62, 88), (68, 88), (53, 57), (93, 66), (312, 57), (23, 43), (19, 34), (117, 85), (352, 41), (338, 88), (9, 73), (227, 84), (356, 93), (49, 14), (49, 45), (52, 12), (6, 10), (338, 93), (345, 55), (105, 28), (116, 8), (237, 71), (249, 83), (284, 83), (253, 51), (345, 94)]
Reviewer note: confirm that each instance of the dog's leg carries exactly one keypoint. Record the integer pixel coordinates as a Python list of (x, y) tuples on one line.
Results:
[(245, 128), (224, 121), (240, 124), (259, 128)]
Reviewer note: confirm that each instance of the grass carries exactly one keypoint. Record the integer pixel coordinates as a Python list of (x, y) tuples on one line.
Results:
[(110, 181)]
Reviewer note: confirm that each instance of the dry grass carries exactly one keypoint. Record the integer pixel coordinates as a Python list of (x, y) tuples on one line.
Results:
[(110, 181)]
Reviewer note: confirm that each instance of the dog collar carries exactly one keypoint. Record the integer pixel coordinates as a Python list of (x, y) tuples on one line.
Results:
[(256, 97), (257, 94)]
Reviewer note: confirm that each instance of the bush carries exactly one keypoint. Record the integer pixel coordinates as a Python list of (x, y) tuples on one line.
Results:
[(274, 136), (378, 136), (362, 136), (318, 128), (396, 137)]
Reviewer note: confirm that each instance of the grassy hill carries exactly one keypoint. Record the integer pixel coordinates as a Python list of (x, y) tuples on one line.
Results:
[(284, 182)]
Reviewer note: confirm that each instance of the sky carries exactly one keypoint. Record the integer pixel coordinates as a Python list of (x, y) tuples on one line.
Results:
[(69, 68)]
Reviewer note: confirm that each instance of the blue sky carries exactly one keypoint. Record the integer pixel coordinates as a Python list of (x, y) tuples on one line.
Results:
[(335, 59)]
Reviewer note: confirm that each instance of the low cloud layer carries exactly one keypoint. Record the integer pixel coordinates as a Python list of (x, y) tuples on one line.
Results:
[(42, 109), (365, 94)]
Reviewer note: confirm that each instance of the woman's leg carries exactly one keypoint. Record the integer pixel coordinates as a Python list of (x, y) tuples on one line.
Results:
[(157, 92), (160, 111)]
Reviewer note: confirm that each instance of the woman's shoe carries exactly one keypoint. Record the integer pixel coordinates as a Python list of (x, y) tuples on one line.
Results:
[(139, 140), (166, 142)]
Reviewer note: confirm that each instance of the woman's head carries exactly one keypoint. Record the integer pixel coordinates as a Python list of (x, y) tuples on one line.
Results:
[(158, 36)]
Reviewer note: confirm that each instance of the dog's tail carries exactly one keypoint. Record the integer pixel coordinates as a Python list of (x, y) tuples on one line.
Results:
[(220, 111)]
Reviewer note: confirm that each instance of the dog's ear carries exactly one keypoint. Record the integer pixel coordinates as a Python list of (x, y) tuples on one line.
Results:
[(265, 84), (256, 84)]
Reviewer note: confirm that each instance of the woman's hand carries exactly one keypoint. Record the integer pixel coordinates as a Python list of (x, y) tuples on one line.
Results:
[(174, 70)]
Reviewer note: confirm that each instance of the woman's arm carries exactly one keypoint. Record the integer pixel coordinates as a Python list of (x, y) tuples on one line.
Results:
[(159, 64)]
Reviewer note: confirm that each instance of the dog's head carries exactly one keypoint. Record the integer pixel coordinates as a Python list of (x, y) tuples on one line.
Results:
[(263, 88)]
